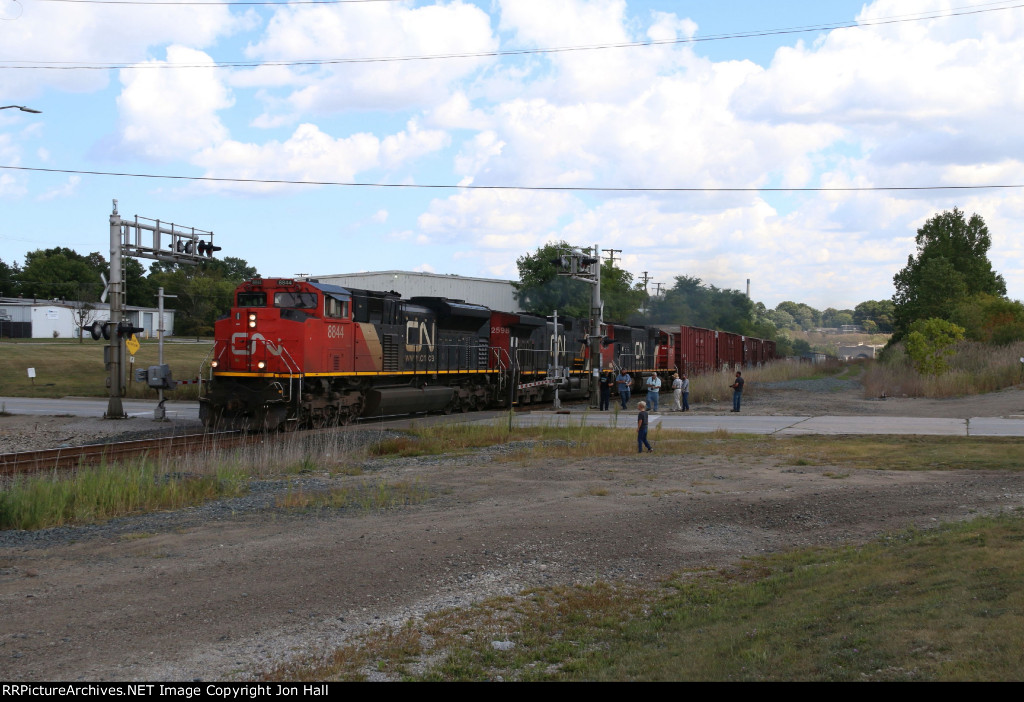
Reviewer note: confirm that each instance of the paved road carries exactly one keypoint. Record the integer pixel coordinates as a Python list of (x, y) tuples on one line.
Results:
[(95, 407), (788, 426), (737, 423)]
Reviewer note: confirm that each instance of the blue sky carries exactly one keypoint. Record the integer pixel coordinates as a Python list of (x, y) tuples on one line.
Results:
[(919, 93)]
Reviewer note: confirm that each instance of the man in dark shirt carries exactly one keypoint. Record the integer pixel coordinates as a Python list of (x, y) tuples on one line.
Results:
[(606, 382), (737, 392), (641, 429)]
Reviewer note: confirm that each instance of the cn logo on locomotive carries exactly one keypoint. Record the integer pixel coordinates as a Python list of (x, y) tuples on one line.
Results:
[(418, 335), (249, 349)]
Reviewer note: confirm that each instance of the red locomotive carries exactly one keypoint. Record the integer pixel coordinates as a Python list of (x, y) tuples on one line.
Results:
[(295, 352)]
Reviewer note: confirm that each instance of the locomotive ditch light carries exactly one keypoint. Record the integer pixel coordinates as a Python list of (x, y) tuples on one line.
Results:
[(214, 363), (261, 365)]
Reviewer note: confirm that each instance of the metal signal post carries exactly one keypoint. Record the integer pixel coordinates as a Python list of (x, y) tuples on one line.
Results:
[(585, 264), (186, 246)]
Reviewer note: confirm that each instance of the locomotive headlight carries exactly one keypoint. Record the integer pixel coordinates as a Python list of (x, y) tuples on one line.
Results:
[(252, 320), (214, 364), (261, 365)]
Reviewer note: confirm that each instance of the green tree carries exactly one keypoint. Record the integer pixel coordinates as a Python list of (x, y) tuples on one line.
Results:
[(804, 316), (693, 303), (9, 275), (930, 342), (990, 319), (874, 312), (951, 264), (62, 273), (541, 290)]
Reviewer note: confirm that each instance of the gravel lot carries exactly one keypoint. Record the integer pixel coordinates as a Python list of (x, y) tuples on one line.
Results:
[(223, 591)]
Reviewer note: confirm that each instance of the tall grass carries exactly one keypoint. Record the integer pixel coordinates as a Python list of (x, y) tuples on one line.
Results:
[(974, 369), (714, 387), (98, 494)]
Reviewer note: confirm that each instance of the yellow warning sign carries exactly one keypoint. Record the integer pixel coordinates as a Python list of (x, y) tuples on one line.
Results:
[(133, 345)]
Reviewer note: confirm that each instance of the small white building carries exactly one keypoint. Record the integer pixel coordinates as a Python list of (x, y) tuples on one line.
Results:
[(22, 318), (493, 293)]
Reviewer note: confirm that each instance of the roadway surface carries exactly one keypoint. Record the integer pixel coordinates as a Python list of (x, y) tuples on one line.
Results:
[(95, 407), (737, 423), (787, 425)]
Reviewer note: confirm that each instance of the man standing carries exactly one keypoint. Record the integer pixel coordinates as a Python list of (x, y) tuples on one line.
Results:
[(623, 382), (641, 429), (653, 391), (737, 392), (606, 382), (686, 393), (677, 393)]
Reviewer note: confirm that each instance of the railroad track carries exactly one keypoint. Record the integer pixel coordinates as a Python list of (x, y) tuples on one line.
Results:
[(71, 457), (90, 454)]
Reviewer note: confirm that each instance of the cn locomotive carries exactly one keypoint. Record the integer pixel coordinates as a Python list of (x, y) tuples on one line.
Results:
[(296, 353)]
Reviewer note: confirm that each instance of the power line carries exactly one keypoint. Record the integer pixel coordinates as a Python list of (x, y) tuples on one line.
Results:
[(541, 188), (70, 65)]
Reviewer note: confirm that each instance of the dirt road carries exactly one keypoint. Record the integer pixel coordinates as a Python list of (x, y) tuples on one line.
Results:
[(226, 590)]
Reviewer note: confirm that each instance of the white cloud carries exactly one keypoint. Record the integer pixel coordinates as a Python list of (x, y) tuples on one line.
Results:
[(376, 30), (171, 114), (312, 155), (509, 220), (99, 34)]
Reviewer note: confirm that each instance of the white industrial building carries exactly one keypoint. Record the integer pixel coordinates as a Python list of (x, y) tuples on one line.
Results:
[(22, 318), (489, 292)]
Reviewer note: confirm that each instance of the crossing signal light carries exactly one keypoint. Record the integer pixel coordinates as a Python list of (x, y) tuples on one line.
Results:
[(125, 329), (98, 330), (207, 249), (103, 330)]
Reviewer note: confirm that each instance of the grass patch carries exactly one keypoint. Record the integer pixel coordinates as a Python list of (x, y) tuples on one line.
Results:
[(365, 497), (66, 368), (946, 604), (91, 495), (852, 452)]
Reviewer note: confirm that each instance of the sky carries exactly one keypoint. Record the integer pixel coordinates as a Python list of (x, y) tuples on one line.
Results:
[(798, 145)]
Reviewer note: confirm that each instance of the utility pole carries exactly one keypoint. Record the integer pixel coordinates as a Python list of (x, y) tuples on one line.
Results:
[(657, 289), (611, 254)]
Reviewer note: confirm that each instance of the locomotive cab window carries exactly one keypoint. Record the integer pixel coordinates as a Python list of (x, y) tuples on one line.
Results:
[(295, 300), (252, 299), (336, 308)]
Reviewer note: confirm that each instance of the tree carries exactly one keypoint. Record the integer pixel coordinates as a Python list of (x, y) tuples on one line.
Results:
[(693, 303), (990, 319), (951, 264), (929, 343), (874, 312), (541, 290), (62, 273), (9, 279)]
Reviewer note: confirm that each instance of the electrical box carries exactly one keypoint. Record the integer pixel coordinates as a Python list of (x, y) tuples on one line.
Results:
[(159, 377)]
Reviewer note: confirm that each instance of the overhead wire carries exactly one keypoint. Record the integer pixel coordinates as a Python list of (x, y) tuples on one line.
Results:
[(534, 188), (70, 65)]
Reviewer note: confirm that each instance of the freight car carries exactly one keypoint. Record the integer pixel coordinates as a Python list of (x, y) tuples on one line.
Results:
[(300, 353)]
